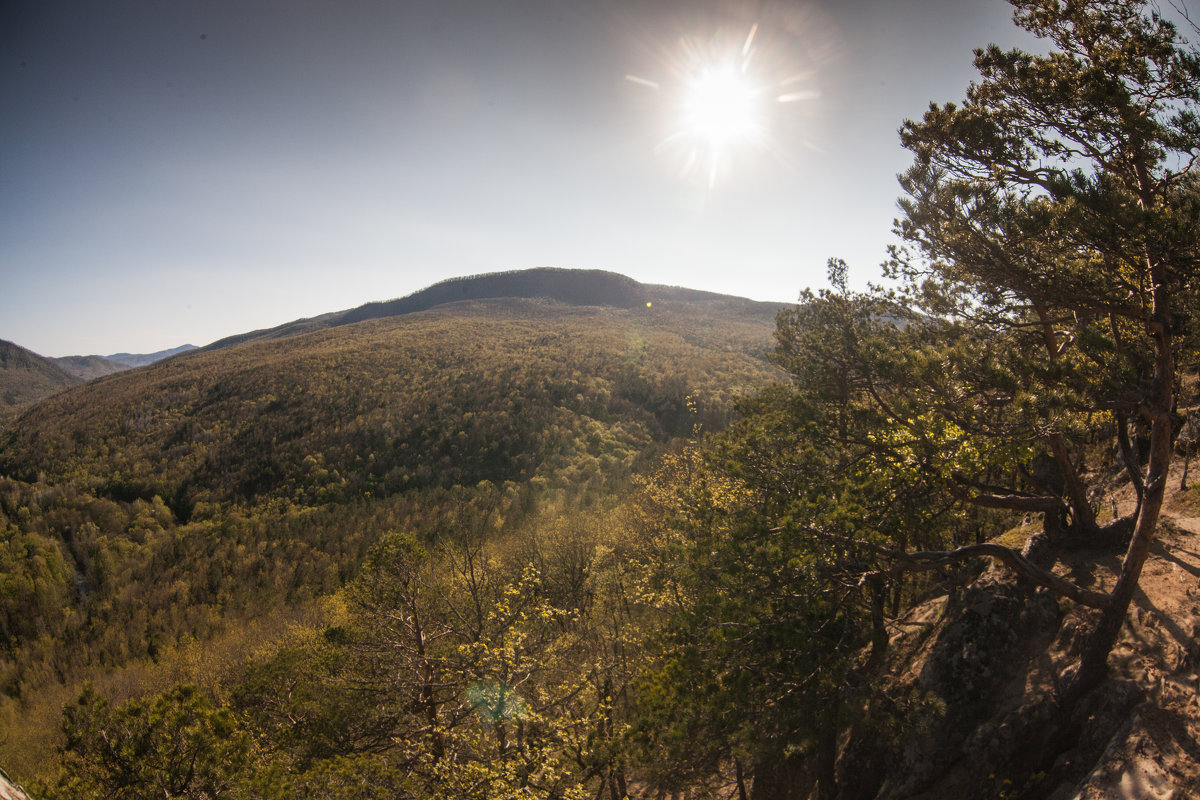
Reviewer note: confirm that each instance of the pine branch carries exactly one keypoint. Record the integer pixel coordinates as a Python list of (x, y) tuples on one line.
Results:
[(932, 559)]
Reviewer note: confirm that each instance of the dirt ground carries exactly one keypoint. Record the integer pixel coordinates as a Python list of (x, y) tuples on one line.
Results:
[(995, 661), (1155, 755)]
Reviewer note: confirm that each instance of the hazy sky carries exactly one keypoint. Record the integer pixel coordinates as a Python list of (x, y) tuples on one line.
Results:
[(177, 171)]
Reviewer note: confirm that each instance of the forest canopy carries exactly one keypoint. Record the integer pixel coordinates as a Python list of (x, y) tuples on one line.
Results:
[(504, 557)]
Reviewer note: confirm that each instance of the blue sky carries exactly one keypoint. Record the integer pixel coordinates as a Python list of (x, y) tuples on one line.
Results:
[(181, 171)]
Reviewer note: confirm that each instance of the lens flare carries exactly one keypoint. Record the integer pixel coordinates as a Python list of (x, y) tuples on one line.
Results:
[(728, 99)]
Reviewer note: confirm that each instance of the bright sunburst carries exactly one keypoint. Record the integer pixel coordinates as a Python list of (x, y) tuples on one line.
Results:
[(723, 96), (723, 107)]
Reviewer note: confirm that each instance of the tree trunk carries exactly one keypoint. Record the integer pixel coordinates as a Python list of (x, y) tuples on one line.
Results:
[(741, 780), (879, 634), (1084, 517), (779, 777), (1094, 663), (827, 755), (1129, 455)]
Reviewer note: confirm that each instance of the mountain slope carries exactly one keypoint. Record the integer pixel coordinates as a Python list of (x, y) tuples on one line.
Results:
[(479, 391), (26, 377), (216, 494), (988, 661), (575, 287), (87, 367)]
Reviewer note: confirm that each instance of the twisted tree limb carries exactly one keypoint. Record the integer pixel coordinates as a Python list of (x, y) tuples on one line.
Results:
[(932, 559)]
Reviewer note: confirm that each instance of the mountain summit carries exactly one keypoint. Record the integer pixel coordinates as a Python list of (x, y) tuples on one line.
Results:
[(573, 287)]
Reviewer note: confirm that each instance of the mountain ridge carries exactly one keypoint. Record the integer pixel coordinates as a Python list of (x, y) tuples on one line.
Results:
[(89, 367), (26, 377), (142, 359), (267, 376), (573, 287)]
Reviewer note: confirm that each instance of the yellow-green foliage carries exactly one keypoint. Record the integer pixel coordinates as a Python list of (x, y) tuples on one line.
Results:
[(161, 526), (495, 392)]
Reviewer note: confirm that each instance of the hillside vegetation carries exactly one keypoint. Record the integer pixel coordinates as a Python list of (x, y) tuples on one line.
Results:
[(523, 548), (87, 367), (177, 503), (574, 287), (26, 377), (504, 391)]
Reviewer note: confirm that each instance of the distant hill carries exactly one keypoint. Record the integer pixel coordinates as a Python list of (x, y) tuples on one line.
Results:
[(142, 359), (26, 377), (88, 367), (574, 287)]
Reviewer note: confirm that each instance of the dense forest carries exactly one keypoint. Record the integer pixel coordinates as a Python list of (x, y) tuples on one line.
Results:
[(213, 502), (515, 548), (26, 377)]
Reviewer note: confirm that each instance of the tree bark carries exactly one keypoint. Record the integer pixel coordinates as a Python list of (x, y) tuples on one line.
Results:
[(915, 562), (1093, 665), (778, 777), (827, 754), (1085, 518), (1129, 455), (879, 634)]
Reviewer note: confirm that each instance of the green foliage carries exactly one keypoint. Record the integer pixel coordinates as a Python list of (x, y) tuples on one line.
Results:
[(181, 502), (173, 745), (1055, 212), (1050, 261), (500, 393), (460, 666), (35, 585), (1050, 226), (762, 538), (353, 777)]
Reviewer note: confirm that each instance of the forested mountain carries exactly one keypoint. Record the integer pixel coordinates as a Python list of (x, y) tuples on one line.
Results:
[(939, 541), (25, 377), (569, 286), (218, 490), (471, 392), (87, 367)]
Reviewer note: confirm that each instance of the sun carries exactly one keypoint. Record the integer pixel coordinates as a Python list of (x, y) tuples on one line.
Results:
[(724, 97), (722, 107)]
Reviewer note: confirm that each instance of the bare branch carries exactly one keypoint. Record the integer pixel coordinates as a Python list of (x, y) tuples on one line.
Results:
[(932, 559), (1012, 502)]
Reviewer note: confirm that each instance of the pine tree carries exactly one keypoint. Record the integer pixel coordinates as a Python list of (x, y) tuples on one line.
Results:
[(1056, 210)]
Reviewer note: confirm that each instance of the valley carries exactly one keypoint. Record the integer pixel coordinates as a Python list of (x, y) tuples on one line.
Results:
[(214, 502)]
